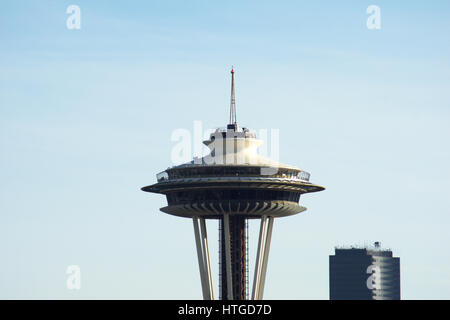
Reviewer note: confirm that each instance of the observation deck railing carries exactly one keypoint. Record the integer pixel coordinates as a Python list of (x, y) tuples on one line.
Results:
[(301, 175)]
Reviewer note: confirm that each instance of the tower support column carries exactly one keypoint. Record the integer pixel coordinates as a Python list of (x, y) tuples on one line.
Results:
[(201, 241), (259, 254), (266, 257), (262, 257), (206, 258)]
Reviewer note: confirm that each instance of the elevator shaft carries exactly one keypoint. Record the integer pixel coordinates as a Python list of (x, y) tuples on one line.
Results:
[(239, 258)]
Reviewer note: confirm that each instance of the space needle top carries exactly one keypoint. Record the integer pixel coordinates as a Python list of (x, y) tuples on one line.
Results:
[(233, 161), (232, 184)]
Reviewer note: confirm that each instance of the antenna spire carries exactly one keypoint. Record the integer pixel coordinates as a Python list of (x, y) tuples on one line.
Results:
[(233, 119)]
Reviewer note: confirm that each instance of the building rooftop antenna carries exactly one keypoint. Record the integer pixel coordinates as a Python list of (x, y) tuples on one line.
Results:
[(233, 118)]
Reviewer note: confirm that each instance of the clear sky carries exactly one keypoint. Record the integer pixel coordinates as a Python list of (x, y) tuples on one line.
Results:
[(86, 118)]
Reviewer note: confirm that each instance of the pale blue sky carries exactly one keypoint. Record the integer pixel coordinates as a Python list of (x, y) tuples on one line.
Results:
[(86, 117)]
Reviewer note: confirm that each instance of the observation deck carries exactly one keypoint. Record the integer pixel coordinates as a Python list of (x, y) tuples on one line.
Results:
[(233, 179)]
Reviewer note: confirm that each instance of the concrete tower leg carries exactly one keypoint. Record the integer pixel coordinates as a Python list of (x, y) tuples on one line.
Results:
[(201, 261), (262, 257), (206, 259), (266, 257), (259, 255)]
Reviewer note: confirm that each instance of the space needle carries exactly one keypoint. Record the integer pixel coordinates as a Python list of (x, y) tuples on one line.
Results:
[(233, 184)]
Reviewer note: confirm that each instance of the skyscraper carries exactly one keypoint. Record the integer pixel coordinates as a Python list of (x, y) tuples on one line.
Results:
[(233, 184), (364, 274)]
